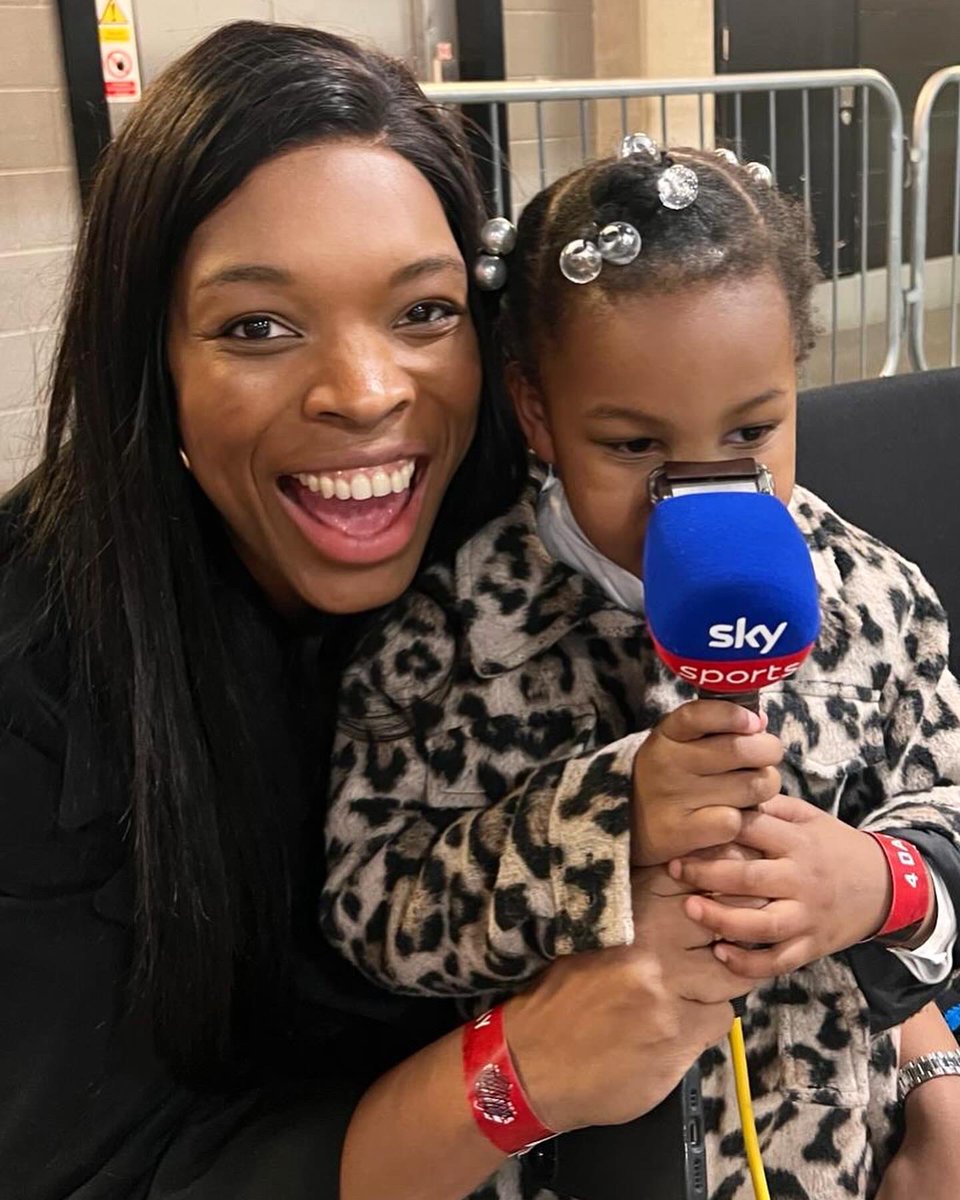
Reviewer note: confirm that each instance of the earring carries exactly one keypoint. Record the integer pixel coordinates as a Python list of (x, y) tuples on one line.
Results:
[(184, 459)]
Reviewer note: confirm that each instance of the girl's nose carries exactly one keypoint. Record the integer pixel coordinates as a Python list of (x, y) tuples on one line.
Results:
[(359, 384)]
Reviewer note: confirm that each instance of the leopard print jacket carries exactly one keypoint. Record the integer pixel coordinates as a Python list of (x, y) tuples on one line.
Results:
[(478, 825)]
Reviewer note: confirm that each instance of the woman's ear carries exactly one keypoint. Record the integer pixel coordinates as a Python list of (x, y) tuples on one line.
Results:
[(531, 413)]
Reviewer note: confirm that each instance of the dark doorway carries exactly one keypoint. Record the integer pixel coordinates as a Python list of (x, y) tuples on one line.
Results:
[(757, 35)]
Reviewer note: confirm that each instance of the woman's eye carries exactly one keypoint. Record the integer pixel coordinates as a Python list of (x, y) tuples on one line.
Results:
[(258, 329), (430, 312), (751, 433)]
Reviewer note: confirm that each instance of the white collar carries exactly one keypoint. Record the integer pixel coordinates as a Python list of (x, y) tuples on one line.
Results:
[(566, 541)]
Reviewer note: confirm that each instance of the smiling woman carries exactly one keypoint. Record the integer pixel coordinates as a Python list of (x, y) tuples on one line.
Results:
[(354, 365), (277, 398)]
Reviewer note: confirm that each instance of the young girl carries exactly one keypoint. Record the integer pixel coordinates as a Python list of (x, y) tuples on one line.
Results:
[(510, 746)]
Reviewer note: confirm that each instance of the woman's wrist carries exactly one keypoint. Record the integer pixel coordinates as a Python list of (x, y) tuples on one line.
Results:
[(501, 1108)]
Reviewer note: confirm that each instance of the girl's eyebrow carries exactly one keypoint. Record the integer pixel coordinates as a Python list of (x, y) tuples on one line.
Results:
[(756, 401), (623, 412)]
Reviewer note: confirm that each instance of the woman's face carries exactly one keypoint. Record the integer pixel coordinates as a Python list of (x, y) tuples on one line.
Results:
[(326, 370)]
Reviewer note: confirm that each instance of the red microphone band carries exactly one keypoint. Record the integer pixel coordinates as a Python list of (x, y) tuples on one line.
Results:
[(495, 1094), (732, 675), (911, 885)]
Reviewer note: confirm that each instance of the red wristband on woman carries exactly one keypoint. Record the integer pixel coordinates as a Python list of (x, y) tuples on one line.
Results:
[(494, 1091), (911, 885)]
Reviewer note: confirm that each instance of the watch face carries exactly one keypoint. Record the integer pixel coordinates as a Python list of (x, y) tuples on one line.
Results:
[(492, 1091)]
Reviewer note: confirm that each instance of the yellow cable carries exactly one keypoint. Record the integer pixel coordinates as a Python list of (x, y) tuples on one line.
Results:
[(752, 1146)]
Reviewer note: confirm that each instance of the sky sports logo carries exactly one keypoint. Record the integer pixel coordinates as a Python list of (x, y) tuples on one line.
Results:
[(743, 674), (738, 636)]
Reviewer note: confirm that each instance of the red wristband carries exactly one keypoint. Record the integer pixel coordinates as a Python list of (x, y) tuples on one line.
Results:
[(911, 885), (494, 1091)]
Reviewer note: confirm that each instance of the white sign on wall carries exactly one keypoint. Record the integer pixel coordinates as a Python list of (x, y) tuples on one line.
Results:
[(118, 50)]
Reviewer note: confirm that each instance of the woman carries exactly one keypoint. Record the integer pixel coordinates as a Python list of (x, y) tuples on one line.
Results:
[(272, 284)]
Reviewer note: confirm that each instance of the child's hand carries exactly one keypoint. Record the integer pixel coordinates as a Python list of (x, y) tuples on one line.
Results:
[(827, 884), (699, 768)]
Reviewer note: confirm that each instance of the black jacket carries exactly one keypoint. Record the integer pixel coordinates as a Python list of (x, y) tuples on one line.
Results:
[(87, 1110)]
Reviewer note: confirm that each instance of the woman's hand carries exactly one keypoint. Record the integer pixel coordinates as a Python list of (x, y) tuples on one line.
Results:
[(601, 1038), (698, 770), (827, 884), (928, 1161)]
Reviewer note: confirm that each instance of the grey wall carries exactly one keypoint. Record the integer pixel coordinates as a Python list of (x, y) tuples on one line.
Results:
[(38, 215)]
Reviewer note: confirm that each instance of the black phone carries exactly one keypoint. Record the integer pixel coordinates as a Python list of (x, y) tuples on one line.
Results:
[(660, 1154)]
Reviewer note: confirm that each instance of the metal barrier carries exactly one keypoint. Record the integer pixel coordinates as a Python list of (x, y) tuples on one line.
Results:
[(920, 181), (842, 83)]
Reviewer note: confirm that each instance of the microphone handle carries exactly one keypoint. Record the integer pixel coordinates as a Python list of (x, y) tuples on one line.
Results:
[(751, 701), (748, 700)]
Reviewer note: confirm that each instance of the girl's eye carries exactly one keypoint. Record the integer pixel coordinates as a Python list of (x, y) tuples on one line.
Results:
[(258, 329), (430, 312), (636, 446), (751, 433)]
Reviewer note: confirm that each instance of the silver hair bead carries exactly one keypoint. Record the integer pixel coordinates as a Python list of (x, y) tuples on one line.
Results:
[(619, 243), (727, 155), (760, 172), (490, 272), (580, 261), (498, 236), (640, 144), (678, 187)]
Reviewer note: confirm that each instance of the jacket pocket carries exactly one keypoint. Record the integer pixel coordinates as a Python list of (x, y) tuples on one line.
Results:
[(831, 733), (823, 1036), (486, 758)]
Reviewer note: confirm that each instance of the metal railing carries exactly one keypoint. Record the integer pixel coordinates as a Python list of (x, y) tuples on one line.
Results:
[(865, 82), (917, 295)]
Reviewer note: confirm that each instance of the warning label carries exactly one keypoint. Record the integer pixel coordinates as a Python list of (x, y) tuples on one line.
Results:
[(118, 50)]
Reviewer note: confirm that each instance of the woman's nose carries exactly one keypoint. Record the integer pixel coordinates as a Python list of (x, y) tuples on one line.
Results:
[(359, 385)]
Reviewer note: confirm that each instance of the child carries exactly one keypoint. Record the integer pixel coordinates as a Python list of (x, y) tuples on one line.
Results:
[(506, 752)]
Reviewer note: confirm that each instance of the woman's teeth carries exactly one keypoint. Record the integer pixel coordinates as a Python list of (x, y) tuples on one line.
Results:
[(364, 483)]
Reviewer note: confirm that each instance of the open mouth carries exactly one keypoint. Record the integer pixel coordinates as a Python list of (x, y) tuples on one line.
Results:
[(356, 513)]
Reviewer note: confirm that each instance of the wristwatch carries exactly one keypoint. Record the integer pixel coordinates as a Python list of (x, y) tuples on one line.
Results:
[(730, 475), (928, 1066)]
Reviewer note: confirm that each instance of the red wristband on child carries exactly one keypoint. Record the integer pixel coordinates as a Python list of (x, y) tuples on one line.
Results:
[(911, 885), (494, 1091)]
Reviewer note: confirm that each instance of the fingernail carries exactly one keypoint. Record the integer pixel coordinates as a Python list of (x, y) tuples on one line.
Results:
[(675, 868), (754, 723)]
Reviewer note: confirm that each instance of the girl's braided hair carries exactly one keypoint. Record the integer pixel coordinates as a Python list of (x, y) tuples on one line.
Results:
[(738, 227)]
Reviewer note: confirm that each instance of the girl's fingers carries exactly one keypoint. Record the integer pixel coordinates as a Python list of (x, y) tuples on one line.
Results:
[(772, 879), (776, 922), (773, 960), (773, 836)]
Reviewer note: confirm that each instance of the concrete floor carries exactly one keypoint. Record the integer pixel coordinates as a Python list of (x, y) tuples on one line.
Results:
[(817, 370)]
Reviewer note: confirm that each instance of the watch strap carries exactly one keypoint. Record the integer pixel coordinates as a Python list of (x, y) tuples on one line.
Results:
[(928, 1066)]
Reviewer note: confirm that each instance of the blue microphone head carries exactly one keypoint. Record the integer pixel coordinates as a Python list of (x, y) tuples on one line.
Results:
[(731, 597)]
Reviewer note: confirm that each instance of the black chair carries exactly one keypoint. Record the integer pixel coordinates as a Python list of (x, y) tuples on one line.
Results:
[(885, 453)]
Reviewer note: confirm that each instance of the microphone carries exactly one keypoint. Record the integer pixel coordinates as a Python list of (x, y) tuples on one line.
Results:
[(731, 598), (730, 594)]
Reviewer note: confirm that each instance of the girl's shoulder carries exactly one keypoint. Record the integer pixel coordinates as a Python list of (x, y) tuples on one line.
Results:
[(856, 569)]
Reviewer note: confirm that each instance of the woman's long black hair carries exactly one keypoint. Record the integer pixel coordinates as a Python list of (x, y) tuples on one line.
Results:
[(129, 533)]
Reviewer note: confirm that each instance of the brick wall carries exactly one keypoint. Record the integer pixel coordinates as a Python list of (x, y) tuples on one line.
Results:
[(38, 219), (546, 39)]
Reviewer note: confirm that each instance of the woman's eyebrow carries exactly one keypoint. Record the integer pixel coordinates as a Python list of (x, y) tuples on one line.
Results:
[(434, 264), (246, 273)]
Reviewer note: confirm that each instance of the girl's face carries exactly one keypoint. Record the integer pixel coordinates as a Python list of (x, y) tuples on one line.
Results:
[(326, 370), (699, 375)]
